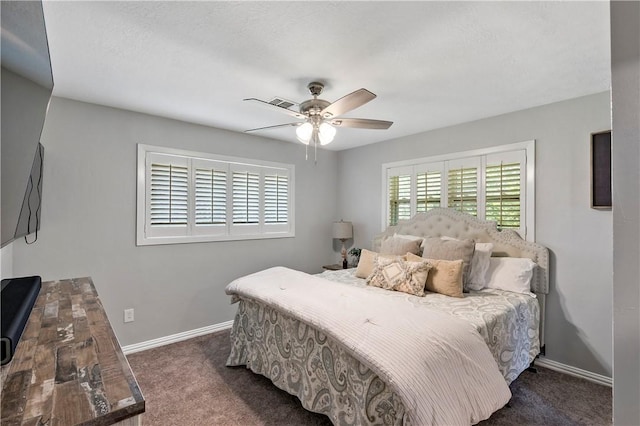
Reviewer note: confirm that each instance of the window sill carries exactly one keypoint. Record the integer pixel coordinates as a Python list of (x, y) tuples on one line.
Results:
[(152, 241)]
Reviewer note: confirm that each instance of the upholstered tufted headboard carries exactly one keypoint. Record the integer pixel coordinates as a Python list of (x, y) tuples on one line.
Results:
[(506, 243)]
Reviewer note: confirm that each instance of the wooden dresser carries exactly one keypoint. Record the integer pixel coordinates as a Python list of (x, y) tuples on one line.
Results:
[(68, 368)]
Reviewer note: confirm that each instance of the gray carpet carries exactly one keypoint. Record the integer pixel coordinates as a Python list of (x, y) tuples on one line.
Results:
[(187, 383)]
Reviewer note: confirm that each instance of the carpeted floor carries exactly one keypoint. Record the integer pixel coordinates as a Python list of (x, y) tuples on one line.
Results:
[(187, 383)]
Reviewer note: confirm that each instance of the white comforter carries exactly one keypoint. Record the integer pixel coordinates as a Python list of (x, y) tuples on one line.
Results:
[(439, 365)]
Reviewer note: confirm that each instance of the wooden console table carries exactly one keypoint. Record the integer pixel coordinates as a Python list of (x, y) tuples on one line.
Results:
[(68, 368)]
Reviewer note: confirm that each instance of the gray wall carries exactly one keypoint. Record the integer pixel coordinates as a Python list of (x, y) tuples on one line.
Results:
[(89, 216), (579, 238), (6, 261), (625, 68), (24, 104)]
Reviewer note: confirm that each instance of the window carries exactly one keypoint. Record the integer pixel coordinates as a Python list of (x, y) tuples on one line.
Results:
[(400, 195), (504, 183), (194, 197), (494, 184), (428, 190), (462, 184)]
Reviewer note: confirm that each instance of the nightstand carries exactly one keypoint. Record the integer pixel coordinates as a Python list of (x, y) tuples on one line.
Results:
[(334, 267)]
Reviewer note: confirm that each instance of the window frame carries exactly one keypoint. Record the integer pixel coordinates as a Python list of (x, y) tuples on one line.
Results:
[(227, 232), (528, 207)]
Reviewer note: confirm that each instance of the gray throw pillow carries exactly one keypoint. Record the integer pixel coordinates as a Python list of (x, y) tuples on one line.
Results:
[(437, 248), (400, 246)]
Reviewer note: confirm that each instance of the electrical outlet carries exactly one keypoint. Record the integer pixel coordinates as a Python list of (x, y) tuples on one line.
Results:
[(128, 315)]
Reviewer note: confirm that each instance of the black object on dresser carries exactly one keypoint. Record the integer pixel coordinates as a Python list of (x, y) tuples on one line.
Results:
[(18, 297)]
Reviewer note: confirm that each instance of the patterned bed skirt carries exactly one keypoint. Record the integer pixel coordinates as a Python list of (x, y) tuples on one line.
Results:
[(306, 363)]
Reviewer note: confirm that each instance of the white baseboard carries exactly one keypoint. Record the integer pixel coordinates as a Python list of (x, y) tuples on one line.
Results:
[(574, 371), (166, 340)]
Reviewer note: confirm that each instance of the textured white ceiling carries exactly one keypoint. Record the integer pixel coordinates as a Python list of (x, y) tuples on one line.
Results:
[(432, 64)]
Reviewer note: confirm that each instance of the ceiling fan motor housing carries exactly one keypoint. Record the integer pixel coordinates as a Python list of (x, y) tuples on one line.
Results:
[(313, 106)]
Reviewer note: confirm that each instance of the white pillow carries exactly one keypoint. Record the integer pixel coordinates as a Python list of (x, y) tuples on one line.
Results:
[(480, 266), (510, 273)]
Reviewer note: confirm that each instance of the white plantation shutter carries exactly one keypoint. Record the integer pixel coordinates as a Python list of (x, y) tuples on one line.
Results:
[(192, 197), (246, 197), (504, 190), (168, 196), (210, 199), (429, 182), (503, 194), (462, 185), (276, 198), (399, 195)]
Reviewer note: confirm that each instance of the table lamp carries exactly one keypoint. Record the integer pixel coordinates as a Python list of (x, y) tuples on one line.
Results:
[(343, 231)]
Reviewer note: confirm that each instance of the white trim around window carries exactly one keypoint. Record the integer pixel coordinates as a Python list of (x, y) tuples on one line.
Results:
[(188, 197), (469, 167)]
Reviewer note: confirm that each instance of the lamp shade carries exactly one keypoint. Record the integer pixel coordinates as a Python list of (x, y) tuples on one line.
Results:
[(342, 230)]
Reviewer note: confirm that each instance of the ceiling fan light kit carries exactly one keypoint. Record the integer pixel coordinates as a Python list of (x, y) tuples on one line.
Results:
[(326, 132), (320, 116), (304, 132)]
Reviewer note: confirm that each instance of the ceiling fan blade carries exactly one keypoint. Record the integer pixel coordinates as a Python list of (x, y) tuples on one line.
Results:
[(277, 108), (348, 102), (273, 127), (361, 123)]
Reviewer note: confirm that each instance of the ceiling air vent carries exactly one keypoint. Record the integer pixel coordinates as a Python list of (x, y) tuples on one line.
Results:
[(282, 103)]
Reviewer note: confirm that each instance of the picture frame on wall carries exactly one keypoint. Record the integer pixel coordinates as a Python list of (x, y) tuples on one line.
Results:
[(601, 170)]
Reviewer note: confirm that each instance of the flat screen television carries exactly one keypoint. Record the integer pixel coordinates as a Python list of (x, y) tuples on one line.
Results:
[(26, 86)]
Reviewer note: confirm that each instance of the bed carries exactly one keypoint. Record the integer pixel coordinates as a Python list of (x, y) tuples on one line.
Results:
[(361, 355)]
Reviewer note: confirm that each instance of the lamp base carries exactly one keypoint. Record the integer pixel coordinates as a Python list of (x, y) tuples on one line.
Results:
[(344, 255)]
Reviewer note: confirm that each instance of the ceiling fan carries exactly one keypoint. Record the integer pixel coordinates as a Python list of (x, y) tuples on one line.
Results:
[(322, 117)]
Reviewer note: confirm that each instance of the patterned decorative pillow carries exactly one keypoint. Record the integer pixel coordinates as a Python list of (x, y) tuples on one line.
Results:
[(437, 248), (417, 274), (399, 275), (385, 273), (367, 262), (445, 276), (400, 246)]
